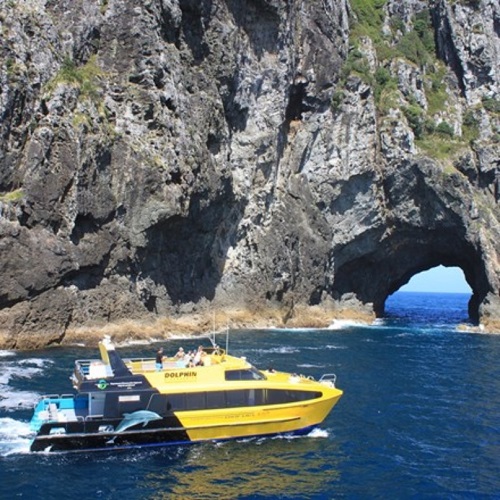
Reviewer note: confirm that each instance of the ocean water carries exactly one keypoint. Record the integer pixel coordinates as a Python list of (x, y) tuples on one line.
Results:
[(420, 418)]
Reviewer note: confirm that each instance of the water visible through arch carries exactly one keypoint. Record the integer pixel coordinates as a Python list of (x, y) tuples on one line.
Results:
[(439, 279), (438, 296)]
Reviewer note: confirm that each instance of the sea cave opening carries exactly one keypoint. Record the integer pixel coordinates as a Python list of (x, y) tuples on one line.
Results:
[(439, 295)]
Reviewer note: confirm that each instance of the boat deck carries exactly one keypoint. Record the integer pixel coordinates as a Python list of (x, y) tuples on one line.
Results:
[(91, 369), (55, 408)]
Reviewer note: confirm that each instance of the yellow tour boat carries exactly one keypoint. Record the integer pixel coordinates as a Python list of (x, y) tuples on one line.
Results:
[(124, 403)]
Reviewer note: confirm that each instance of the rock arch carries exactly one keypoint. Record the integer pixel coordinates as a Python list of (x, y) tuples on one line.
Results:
[(428, 218), (375, 275)]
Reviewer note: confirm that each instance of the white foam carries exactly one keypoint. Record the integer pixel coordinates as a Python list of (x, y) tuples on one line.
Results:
[(25, 368), (284, 350), (340, 324), (14, 400), (37, 362), (314, 433), (274, 350), (15, 436), (10, 398), (318, 433), (135, 342), (4, 354), (13, 428)]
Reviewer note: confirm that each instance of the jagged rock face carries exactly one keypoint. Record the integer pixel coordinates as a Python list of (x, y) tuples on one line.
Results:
[(160, 158)]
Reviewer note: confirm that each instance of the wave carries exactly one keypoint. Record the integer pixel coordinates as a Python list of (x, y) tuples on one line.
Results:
[(13, 399), (315, 433), (15, 436), (308, 365), (275, 350), (318, 433), (25, 368), (341, 324)]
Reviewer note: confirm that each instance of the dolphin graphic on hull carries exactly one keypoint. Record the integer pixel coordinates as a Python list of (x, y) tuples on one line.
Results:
[(137, 417)]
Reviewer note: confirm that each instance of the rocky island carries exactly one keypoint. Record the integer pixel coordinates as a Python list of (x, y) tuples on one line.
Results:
[(262, 162)]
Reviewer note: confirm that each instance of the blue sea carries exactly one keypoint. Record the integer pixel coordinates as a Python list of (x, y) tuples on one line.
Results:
[(420, 418)]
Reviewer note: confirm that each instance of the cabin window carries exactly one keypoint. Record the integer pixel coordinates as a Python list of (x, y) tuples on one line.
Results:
[(216, 399), (195, 401), (158, 404), (277, 396), (176, 402), (255, 397), (237, 398)]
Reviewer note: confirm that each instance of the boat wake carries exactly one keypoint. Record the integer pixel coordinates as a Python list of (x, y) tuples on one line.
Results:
[(15, 437), (314, 433), (258, 440), (318, 433)]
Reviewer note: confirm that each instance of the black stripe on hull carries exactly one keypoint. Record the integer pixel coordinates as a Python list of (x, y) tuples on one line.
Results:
[(169, 440), (84, 436)]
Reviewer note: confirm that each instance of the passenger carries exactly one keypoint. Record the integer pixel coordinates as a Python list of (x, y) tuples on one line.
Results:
[(180, 353), (191, 359), (159, 359), (197, 356), (205, 359)]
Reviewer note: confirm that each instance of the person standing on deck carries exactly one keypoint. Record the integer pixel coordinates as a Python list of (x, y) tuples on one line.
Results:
[(159, 359)]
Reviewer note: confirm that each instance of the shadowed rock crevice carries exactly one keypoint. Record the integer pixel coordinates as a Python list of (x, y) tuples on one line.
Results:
[(447, 50), (260, 19), (186, 255)]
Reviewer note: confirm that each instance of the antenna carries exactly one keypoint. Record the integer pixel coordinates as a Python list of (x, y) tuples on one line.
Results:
[(211, 335)]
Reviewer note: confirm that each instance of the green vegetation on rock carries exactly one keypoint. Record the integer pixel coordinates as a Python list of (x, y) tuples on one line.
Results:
[(491, 105), (12, 197), (370, 17), (416, 46), (85, 78), (414, 43)]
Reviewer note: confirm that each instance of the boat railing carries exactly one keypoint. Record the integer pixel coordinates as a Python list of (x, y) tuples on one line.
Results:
[(82, 367), (141, 365), (48, 399), (90, 418), (328, 379), (52, 407), (91, 369), (215, 350), (86, 369)]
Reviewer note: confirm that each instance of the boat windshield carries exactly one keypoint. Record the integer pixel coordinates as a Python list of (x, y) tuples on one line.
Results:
[(247, 374)]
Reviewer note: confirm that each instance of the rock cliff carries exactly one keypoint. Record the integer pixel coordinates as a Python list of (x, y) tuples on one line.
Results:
[(171, 157)]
